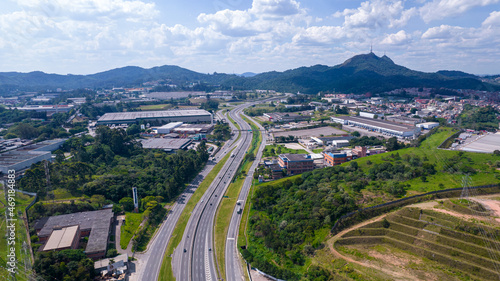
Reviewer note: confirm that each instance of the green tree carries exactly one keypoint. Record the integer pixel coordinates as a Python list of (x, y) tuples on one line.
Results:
[(127, 204)]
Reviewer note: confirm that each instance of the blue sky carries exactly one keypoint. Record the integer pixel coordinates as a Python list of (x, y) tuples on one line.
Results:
[(236, 36)]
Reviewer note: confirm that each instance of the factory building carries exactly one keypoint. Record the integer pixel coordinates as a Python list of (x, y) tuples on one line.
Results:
[(187, 116), (167, 128), (168, 145), (25, 156), (64, 231), (381, 126)]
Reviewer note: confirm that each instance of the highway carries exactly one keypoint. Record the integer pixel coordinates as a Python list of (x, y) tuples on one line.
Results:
[(149, 264), (194, 258), (232, 261)]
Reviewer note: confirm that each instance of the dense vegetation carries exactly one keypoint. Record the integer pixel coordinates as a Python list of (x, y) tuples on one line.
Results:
[(479, 118), (65, 265), (112, 163), (290, 218), (260, 110)]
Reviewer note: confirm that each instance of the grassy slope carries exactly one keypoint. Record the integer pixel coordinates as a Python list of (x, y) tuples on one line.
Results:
[(24, 257), (438, 157), (166, 272), (226, 206), (428, 149), (132, 222)]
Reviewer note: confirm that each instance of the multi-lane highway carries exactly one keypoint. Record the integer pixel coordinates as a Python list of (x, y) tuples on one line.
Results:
[(194, 258), (232, 261), (149, 263)]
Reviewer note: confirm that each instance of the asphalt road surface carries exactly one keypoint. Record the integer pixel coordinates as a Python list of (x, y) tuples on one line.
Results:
[(232, 261), (149, 263), (194, 258)]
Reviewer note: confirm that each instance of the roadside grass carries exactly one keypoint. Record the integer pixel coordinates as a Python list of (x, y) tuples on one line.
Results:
[(23, 254), (227, 205), (236, 125), (318, 150), (127, 231), (166, 272)]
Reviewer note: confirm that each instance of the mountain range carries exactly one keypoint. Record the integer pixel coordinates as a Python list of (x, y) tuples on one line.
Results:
[(359, 74)]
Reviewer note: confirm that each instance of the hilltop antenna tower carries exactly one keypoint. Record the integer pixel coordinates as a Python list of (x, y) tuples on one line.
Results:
[(371, 48)]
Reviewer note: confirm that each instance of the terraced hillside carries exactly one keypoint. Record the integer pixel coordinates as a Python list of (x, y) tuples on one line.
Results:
[(428, 244)]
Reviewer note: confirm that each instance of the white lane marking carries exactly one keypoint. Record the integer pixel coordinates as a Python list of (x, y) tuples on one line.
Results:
[(208, 274), (229, 238)]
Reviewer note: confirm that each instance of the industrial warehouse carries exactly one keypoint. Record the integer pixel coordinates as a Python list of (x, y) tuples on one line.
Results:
[(23, 157), (188, 116), (65, 231), (381, 126)]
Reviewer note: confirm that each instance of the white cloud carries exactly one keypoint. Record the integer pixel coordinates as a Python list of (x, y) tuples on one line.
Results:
[(399, 38), (492, 20), (377, 14), (112, 8), (319, 34), (275, 8), (443, 32), (439, 9)]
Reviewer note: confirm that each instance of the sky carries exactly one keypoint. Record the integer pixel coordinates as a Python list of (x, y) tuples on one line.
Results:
[(237, 36)]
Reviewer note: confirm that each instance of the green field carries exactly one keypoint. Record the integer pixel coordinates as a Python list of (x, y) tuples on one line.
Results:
[(280, 149), (166, 266), (155, 107), (127, 231)]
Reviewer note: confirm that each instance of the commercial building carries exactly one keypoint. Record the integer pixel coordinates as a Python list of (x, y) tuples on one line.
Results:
[(192, 129), (57, 232), (116, 266), (484, 144), (23, 157), (285, 117), (187, 116), (329, 140), (296, 163), (381, 126), (47, 108), (360, 151), (167, 128), (168, 145), (340, 143), (428, 125), (368, 115), (333, 159), (276, 171)]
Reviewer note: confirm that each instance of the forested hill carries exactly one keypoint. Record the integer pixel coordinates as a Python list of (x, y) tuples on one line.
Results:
[(129, 76), (359, 74)]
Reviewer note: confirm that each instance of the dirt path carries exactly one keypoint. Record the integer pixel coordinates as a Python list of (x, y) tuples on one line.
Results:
[(398, 274), (331, 241)]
